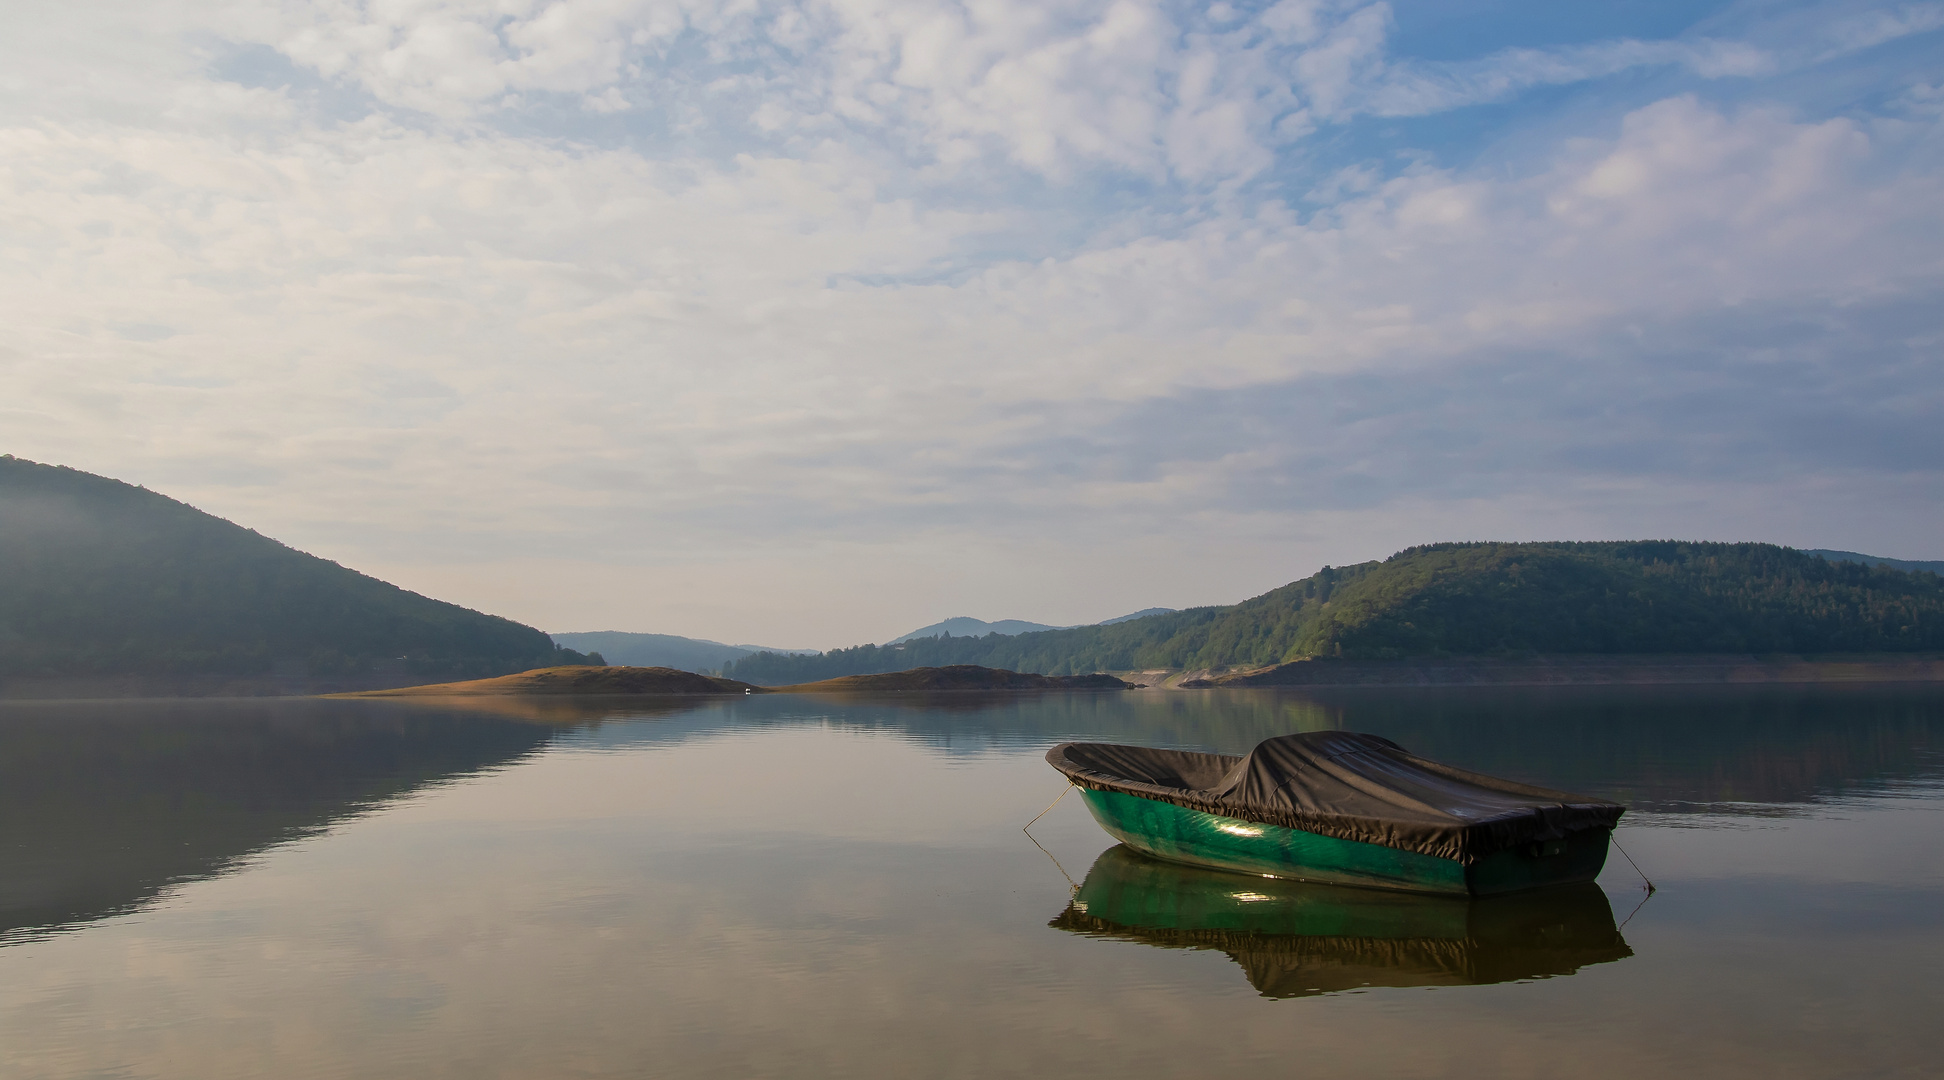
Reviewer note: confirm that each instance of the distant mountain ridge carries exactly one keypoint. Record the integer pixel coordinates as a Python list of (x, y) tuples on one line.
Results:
[(631, 649), (701, 654), (1483, 599), (100, 579), (1141, 614), (1928, 566), (964, 626)]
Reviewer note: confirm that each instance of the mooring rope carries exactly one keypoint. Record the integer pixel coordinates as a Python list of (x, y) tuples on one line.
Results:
[(1616, 847), (1644, 897), (1048, 810), (1072, 885)]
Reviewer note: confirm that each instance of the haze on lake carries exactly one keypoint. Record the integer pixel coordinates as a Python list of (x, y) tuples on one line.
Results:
[(792, 886)]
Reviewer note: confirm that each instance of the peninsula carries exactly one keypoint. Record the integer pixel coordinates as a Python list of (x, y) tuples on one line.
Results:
[(576, 680)]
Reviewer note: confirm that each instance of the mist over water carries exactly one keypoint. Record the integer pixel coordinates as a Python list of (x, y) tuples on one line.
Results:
[(798, 886)]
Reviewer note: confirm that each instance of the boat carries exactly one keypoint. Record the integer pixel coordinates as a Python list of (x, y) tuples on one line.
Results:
[(1343, 808), (1297, 939)]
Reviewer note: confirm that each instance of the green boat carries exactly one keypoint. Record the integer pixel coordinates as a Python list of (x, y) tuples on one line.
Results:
[(1295, 939), (1341, 808)]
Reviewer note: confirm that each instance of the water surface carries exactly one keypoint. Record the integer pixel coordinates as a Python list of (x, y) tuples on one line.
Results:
[(793, 886)]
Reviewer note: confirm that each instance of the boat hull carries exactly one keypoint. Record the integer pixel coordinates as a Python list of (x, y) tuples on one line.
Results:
[(1179, 834)]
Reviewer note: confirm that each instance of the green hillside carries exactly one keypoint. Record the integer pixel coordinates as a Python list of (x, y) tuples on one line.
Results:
[(100, 578), (1474, 600)]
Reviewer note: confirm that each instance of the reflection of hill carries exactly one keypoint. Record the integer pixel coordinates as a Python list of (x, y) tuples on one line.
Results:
[(1223, 720), (1294, 939), (103, 805), (1653, 747), (1673, 747), (561, 709)]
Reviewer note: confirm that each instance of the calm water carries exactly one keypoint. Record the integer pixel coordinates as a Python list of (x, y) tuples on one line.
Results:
[(790, 886)]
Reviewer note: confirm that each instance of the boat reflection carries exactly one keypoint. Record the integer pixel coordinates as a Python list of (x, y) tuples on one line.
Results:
[(1295, 939)]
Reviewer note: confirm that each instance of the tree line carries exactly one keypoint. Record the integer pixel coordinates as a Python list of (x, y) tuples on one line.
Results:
[(1473, 599)]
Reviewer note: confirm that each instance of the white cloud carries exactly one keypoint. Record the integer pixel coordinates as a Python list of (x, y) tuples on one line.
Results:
[(1867, 29), (717, 323), (1419, 89), (420, 341), (449, 57), (1144, 86)]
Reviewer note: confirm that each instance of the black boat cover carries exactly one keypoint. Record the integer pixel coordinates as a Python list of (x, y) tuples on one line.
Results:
[(1347, 785)]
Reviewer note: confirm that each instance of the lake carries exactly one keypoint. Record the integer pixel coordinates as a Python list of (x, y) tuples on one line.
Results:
[(806, 887)]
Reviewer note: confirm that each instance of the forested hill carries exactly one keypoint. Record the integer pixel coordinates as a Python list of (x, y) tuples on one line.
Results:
[(100, 578), (1474, 600)]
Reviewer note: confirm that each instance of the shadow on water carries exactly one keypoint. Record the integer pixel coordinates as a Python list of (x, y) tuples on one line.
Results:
[(1294, 939), (105, 804)]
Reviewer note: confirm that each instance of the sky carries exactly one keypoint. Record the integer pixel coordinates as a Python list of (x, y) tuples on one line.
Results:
[(807, 323)]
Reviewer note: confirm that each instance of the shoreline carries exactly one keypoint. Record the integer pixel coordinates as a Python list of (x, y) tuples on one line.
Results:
[(1586, 670)]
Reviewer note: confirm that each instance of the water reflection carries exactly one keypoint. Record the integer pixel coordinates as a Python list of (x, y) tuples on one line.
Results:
[(103, 805), (1675, 749), (1660, 750), (790, 886), (560, 711), (1296, 940)]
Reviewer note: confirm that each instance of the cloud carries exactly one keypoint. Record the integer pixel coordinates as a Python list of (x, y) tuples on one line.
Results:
[(1156, 89), (449, 57), (1867, 29), (1420, 89), (982, 279), (711, 328)]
